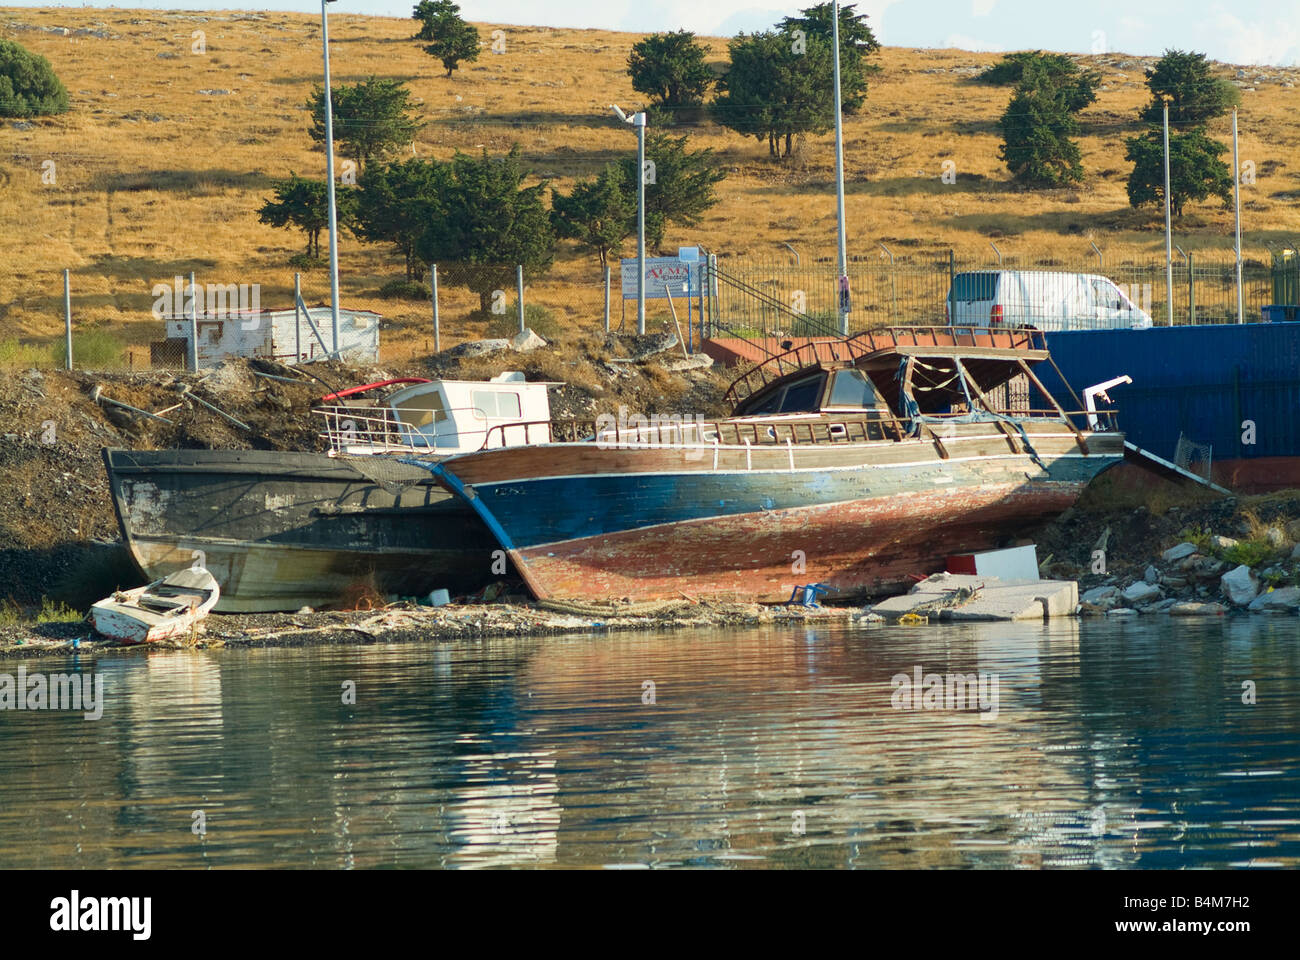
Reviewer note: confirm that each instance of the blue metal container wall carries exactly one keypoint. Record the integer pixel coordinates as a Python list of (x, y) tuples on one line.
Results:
[(1202, 381)]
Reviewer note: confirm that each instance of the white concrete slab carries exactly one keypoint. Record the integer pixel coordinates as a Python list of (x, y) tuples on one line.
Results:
[(947, 596)]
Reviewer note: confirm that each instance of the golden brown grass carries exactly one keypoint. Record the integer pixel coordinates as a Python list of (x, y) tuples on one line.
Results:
[(155, 179)]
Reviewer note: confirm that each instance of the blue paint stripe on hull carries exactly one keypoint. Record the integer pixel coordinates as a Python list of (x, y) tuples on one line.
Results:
[(534, 512)]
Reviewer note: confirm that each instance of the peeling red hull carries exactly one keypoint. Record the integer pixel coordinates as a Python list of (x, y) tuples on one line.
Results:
[(864, 548)]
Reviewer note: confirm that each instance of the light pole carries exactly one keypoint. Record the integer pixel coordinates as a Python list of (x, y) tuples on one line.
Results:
[(1236, 202), (329, 173), (844, 303), (1169, 235), (638, 120)]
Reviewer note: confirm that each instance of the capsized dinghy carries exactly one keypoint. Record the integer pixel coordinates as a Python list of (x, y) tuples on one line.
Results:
[(171, 607)]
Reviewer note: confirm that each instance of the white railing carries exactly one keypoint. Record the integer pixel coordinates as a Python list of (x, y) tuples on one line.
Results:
[(362, 430)]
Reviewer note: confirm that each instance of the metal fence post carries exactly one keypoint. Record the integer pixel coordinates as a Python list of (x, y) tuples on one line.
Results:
[(297, 318), (704, 280), (608, 273), (519, 286), (67, 317), (433, 292), (1191, 289), (192, 361)]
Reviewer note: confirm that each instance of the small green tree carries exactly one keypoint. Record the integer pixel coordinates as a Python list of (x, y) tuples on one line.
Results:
[(449, 38), (28, 84), (1078, 88), (1196, 95), (491, 219), (1036, 131), (680, 188), (1196, 170), (857, 41), (398, 201), (778, 86), (670, 68), (370, 118), (597, 213), (303, 203)]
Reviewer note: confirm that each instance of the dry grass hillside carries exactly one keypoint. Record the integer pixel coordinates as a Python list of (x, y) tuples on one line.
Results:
[(167, 154)]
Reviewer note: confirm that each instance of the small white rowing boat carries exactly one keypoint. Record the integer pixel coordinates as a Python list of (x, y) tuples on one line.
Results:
[(170, 607)]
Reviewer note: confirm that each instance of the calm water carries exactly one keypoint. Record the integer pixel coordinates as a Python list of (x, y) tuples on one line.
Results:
[(1114, 745)]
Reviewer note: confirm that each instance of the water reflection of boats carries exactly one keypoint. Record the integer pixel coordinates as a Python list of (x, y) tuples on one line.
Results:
[(855, 463)]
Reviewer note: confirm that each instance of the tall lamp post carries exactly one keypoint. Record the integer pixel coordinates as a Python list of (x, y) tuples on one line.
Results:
[(638, 120), (844, 302), (1169, 234), (329, 172)]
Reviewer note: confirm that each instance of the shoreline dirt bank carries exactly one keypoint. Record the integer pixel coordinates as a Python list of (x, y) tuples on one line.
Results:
[(406, 623)]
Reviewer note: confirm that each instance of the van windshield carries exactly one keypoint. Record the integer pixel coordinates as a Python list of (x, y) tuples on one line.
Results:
[(969, 287)]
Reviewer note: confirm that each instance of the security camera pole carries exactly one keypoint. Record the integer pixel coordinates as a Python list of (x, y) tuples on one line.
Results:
[(638, 120), (329, 173)]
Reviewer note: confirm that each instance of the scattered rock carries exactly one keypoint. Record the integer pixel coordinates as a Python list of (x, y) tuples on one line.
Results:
[(1239, 585), (1103, 597), (1142, 592), (477, 348), (1222, 543), (1180, 552), (1152, 575), (698, 362), (642, 348), (1280, 600), (527, 341), (1276, 537), (1122, 612), (1193, 609)]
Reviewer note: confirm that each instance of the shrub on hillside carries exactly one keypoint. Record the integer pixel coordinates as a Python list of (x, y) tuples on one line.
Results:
[(28, 84)]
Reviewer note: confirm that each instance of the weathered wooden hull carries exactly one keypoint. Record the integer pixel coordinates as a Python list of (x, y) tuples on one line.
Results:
[(653, 523), (280, 531)]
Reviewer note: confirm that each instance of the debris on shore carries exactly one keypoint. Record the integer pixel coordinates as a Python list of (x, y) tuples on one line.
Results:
[(409, 622)]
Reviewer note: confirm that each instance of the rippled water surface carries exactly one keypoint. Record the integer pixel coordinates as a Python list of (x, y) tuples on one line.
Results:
[(1113, 745)]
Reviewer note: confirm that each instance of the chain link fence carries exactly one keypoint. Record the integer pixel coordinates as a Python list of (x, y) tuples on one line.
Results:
[(766, 297)]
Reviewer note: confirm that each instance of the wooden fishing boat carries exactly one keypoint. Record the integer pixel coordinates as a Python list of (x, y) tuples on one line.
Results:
[(172, 607), (281, 530), (855, 463)]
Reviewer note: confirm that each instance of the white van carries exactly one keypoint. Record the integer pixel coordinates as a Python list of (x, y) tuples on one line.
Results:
[(1041, 299)]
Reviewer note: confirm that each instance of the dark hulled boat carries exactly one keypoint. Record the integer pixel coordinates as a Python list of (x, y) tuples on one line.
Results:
[(284, 530), (855, 463)]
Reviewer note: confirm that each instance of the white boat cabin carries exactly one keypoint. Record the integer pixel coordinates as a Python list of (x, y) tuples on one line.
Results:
[(445, 417)]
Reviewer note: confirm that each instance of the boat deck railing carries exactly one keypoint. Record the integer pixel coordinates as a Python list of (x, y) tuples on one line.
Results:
[(848, 349), (380, 430), (676, 431)]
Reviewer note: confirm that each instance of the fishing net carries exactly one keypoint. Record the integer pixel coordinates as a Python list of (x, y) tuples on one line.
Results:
[(387, 471), (1194, 457)]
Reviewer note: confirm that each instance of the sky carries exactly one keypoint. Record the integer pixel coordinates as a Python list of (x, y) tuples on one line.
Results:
[(1243, 31)]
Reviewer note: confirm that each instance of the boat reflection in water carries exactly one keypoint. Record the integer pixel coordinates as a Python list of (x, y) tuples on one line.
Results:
[(1113, 745)]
